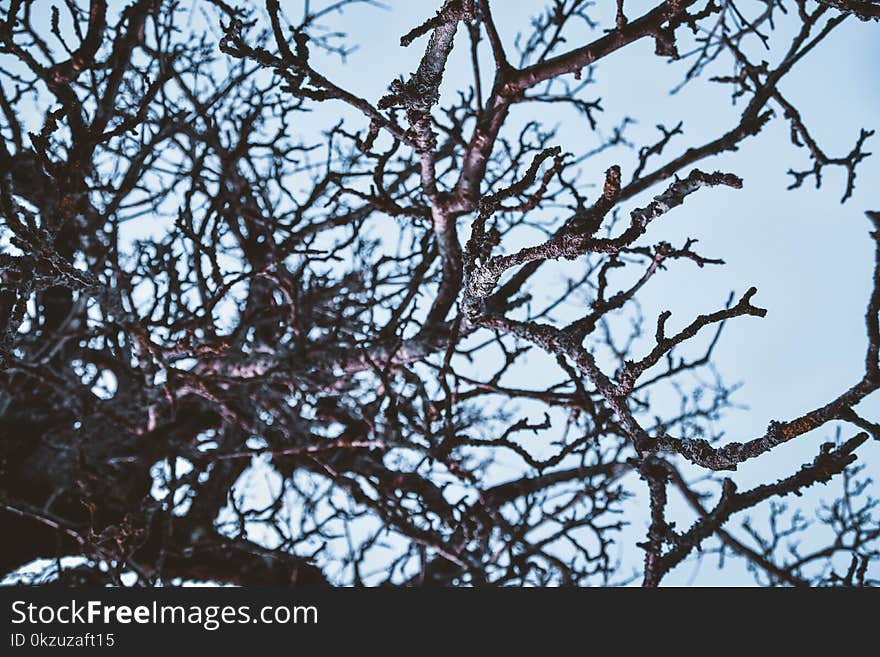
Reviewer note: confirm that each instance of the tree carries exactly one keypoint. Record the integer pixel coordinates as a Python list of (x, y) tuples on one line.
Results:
[(354, 309)]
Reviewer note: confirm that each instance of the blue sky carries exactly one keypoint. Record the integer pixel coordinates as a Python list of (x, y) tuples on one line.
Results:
[(809, 256)]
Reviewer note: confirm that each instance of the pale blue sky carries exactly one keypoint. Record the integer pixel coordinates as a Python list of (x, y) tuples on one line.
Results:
[(809, 256)]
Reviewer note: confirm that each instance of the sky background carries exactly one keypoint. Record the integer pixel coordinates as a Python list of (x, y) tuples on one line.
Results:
[(809, 255)]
